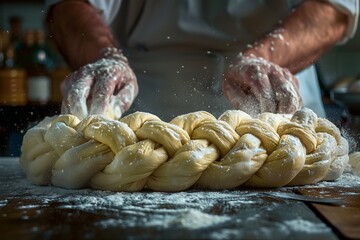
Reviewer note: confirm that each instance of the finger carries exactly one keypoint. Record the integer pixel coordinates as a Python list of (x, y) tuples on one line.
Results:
[(240, 99), (102, 91), (296, 83), (296, 97), (287, 94), (122, 101), (65, 106), (254, 81), (294, 79), (77, 91), (262, 90)]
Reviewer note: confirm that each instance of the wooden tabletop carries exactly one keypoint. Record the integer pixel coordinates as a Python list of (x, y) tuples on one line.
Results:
[(46, 212)]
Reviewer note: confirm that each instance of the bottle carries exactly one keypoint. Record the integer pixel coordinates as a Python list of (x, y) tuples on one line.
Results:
[(4, 42), (15, 31), (2, 54), (37, 68), (23, 51), (12, 80)]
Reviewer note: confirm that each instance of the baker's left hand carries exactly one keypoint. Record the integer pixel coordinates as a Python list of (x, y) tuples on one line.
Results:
[(107, 87), (255, 85)]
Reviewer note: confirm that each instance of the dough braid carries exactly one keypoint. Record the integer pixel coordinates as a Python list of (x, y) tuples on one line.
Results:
[(354, 160), (193, 150)]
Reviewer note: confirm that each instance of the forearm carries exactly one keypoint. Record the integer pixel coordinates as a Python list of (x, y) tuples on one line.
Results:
[(302, 37), (79, 32)]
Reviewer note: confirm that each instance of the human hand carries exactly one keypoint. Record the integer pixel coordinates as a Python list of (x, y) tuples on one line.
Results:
[(255, 85), (110, 81)]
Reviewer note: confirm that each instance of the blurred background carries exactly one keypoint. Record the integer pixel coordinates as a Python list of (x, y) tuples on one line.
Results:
[(31, 71)]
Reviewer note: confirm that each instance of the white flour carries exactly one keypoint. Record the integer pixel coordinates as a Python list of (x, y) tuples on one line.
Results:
[(300, 225), (190, 219)]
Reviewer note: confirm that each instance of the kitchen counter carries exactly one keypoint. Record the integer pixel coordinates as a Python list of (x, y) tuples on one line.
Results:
[(45, 212)]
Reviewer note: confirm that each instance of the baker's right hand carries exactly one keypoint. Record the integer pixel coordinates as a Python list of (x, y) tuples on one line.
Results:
[(94, 88), (255, 85)]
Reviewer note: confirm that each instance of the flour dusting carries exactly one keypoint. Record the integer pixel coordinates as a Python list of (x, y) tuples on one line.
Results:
[(301, 225)]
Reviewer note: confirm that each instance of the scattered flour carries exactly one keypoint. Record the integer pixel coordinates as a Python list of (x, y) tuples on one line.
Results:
[(189, 219), (3, 203), (301, 225)]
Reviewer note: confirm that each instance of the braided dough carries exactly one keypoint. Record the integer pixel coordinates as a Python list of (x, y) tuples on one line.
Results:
[(354, 160), (193, 150)]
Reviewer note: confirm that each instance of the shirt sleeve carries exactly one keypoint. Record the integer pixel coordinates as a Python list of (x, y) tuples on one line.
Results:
[(351, 9), (108, 8), (348, 7)]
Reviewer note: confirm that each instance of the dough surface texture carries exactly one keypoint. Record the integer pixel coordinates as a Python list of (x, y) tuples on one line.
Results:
[(194, 150), (354, 160)]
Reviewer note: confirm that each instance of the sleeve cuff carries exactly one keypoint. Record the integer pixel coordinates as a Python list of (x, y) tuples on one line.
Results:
[(351, 9), (108, 8)]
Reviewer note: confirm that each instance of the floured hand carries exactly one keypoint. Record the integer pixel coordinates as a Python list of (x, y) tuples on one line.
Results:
[(96, 87), (255, 85)]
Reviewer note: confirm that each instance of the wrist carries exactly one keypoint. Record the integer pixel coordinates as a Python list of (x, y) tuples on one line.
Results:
[(274, 47), (113, 53), (255, 52)]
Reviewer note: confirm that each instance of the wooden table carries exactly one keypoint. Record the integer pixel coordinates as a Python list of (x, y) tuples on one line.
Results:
[(46, 212)]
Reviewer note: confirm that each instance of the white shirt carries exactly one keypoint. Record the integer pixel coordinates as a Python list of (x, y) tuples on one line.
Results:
[(110, 9)]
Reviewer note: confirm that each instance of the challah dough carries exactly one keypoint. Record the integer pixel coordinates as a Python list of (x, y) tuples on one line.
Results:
[(196, 149), (354, 160)]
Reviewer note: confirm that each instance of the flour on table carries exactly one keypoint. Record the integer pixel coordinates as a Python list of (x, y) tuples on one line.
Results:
[(301, 225)]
